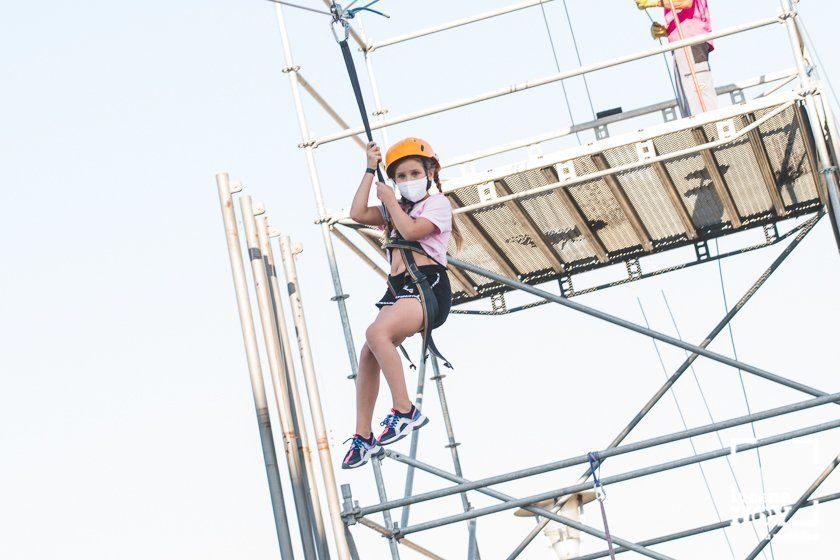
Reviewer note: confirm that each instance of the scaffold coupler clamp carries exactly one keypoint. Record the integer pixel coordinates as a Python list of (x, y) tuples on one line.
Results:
[(788, 14), (595, 466), (349, 506), (351, 513)]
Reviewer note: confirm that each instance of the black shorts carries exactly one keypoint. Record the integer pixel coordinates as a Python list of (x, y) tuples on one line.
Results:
[(403, 287)]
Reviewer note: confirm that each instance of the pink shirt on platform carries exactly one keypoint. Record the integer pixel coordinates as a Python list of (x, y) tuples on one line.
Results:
[(436, 209), (694, 21)]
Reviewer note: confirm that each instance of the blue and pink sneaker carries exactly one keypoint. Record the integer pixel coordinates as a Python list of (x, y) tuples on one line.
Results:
[(398, 425), (361, 449)]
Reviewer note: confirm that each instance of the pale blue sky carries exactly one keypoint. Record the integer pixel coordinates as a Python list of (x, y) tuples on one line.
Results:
[(126, 421)]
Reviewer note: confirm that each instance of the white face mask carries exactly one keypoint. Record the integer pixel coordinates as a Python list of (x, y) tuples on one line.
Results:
[(414, 190)]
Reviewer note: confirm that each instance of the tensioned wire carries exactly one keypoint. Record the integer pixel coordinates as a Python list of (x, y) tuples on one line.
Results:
[(823, 75), (557, 65), (743, 389), (685, 426), (711, 416), (671, 79)]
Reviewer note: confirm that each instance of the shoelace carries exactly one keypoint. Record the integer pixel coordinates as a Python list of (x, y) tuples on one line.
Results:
[(357, 442), (390, 421)]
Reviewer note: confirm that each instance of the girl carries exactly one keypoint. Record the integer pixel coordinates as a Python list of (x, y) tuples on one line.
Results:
[(417, 216)]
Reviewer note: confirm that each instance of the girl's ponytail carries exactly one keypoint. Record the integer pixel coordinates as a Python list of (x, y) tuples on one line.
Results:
[(456, 231)]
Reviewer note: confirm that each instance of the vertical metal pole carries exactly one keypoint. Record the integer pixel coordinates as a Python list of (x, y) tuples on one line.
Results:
[(827, 172), (347, 496), (456, 459), (314, 395), (249, 337), (386, 514), (306, 142), (833, 195), (415, 436), (339, 296), (253, 232), (313, 502), (802, 499)]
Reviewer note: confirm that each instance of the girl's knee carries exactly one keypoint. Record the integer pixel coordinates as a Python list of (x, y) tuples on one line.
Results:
[(376, 336)]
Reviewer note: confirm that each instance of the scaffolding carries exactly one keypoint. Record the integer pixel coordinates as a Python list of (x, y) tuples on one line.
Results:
[(762, 165)]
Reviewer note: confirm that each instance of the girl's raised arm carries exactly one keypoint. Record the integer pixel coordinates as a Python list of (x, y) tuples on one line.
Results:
[(359, 210)]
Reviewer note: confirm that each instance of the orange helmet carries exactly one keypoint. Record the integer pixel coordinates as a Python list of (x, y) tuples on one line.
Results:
[(408, 147)]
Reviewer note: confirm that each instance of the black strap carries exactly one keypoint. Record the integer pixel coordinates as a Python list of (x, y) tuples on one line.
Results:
[(407, 357), (360, 101), (427, 299)]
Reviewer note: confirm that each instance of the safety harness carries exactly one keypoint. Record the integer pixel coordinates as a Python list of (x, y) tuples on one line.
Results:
[(428, 301)]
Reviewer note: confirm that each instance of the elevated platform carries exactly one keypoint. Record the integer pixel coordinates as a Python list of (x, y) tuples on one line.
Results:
[(672, 185)]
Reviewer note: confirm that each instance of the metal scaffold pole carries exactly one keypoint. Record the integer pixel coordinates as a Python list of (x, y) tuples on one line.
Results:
[(275, 365), (474, 552), (313, 501), (739, 305), (308, 146), (386, 513), (254, 368), (828, 172), (313, 392), (636, 328), (537, 510), (603, 454), (339, 296), (642, 472), (415, 440)]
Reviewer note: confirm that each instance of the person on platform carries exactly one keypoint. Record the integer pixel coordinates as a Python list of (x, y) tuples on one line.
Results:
[(685, 19)]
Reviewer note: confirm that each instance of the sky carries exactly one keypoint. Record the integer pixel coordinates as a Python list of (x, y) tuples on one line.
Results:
[(126, 417)]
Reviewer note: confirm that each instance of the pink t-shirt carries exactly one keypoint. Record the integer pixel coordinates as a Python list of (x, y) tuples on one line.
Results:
[(694, 21), (436, 209)]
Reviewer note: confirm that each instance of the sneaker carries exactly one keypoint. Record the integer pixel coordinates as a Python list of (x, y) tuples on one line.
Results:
[(398, 425), (360, 451)]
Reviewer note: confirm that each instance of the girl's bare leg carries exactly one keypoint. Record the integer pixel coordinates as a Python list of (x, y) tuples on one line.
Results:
[(393, 325), (367, 388)]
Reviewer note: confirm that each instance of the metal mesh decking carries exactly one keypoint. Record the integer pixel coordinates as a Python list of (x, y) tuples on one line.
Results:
[(727, 180)]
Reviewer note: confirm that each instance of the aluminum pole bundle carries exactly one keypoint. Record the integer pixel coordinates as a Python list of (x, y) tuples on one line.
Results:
[(314, 394), (313, 502), (275, 364), (254, 368)]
